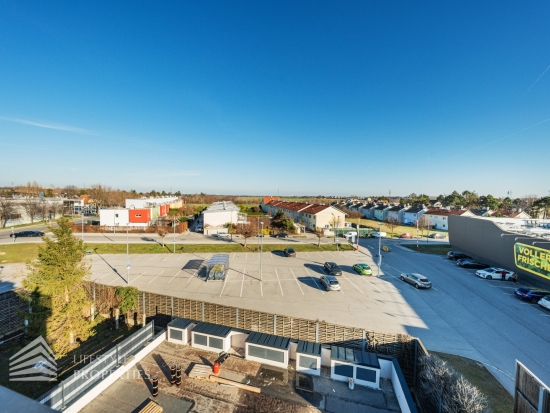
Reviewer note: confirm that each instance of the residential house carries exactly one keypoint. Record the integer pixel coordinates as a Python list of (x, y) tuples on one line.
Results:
[(311, 215), (368, 210), (266, 200), (479, 212), (439, 217), (413, 213), (519, 214), (397, 213), (380, 212)]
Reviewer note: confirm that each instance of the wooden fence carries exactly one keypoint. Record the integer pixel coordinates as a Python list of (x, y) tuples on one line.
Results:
[(530, 394), (10, 304)]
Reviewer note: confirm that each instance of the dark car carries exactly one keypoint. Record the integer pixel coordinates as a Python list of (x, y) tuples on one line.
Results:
[(332, 268), (418, 280), (27, 234), (469, 263), (437, 235), (289, 252), (530, 294), (281, 235), (455, 255)]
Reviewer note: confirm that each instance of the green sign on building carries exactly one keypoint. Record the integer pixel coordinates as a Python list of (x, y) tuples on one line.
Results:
[(532, 259)]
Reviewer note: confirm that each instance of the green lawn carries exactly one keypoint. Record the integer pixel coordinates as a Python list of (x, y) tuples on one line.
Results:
[(429, 248), (17, 253), (500, 401), (197, 248)]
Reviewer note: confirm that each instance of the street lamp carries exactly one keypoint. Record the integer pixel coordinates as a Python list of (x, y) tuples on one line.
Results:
[(334, 227), (261, 249), (174, 225), (127, 256), (416, 232), (379, 247), (82, 220)]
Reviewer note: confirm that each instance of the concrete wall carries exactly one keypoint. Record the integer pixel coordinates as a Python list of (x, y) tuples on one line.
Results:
[(108, 217), (238, 339), (482, 239), (219, 218)]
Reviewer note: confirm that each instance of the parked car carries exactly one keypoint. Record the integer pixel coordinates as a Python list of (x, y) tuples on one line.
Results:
[(289, 252), (332, 268), (27, 234), (363, 269), (534, 294), (224, 235), (455, 255), (469, 263), (493, 272), (545, 302), (330, 283), (379, 234), (281, 235), (405, 235), (438, 235), (418, 280), (198, 228)]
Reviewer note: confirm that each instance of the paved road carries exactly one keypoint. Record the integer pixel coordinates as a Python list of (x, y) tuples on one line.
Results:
[(462, 314)]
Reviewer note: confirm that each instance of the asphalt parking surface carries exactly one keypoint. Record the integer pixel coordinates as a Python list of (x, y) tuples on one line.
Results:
[(462, 314)]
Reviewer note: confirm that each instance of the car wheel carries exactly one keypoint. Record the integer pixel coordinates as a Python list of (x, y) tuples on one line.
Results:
[(534, 300), (416, 286), (489, 277), (402, 278)]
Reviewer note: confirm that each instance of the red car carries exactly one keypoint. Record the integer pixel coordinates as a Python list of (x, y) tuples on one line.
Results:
[(405, 235)]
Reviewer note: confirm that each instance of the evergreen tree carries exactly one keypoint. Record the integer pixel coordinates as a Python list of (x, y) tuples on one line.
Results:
[(56, 282)]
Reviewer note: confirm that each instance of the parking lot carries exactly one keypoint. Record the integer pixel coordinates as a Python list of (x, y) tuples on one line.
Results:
[(462, 314)]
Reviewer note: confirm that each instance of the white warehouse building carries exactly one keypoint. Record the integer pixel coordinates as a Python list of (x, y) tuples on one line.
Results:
[(114, 217), (220, 213)]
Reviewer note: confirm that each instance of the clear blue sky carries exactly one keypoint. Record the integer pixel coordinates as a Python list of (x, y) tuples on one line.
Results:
[(257, 97)]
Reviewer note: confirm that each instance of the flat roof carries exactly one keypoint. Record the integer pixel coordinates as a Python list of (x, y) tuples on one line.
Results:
[(221, 206), (308, 347), (268, 340), (354, 356), (211, 329), (178, 322)]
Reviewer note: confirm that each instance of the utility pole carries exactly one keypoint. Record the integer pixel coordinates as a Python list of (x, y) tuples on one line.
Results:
[(261, 250)]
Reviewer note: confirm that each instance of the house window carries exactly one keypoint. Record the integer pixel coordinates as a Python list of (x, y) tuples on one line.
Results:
[(14, 216), (138, 215), (116, 215), (176, 334), (343, 370), (308, 362), (200, 339)]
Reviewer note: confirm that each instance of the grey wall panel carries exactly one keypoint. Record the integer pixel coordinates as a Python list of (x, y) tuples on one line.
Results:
[(485, 241)]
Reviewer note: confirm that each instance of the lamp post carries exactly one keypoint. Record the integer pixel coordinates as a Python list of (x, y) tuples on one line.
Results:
[(127, 257), (261, 249), (174, 225), (416, 232), (358, 234), (82, 221), (379, 247), (334, 227)]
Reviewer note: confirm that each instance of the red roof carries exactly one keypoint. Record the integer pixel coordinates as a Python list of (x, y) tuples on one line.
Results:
[(268, 199)]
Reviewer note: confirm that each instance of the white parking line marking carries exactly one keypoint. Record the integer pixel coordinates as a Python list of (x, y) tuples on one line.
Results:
[(224, 281), (155, 278), (174, 276), (271, 255), (234, 254), (242, 283), (153, 257), (315, 281), (280, 286), (368, 282), (180, 257), (295, 279), (138, 276), (261, 289), (193, 275), (246, 255), (309, 256), (330, 253), (346, 278), (319, 254)]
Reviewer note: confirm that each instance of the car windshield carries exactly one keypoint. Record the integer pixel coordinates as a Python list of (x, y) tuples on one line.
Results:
[(290, 250), (333, 282), (424, 280), (523, 290)]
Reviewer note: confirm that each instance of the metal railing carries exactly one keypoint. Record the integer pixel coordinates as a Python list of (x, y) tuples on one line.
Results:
[(71, 388)]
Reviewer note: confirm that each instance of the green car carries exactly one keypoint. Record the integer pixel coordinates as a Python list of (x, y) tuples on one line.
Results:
[(362, 269)]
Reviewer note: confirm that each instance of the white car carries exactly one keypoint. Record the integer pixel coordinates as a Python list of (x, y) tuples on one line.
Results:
[(224, 235), (494, 273), (545, 302), (379, 234)]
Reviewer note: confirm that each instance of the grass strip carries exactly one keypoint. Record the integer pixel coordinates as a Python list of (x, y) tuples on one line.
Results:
[(18, 253), (208, 248), (429, 249)]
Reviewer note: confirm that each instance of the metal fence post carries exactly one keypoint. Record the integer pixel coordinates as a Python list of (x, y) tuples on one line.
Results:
[(144, 315), (152, 328), (63, 394), (117, 360), (274, 324), (364, 341), (237, 318), (202, 309), (172, 308), (415, 361)]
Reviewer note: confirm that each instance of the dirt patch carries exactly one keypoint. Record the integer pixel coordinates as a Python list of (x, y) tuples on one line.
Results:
[(500, 401)]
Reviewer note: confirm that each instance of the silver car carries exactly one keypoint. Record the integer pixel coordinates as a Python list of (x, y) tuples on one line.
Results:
[(418, 280), (330, 282), (545, 302)]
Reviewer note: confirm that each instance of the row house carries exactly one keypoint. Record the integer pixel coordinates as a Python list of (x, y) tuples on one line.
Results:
[(311, 215), (413, 214), (397, 213), (439, 217)]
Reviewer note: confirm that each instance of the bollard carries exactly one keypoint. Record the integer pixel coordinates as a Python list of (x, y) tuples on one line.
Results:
[(216, 368), (172, 374), (178, 375), (155, 380)]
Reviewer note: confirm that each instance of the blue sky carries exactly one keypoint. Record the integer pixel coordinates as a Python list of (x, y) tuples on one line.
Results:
[(331, 98)]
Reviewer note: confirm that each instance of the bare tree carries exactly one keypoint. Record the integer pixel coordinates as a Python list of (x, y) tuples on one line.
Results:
[(31, 208), (391, 223), (162, 232), (247, 230), (319, 233), (55, 209), (42, 210), (7, 209), (70, 191), (335, 222), (424, 223)]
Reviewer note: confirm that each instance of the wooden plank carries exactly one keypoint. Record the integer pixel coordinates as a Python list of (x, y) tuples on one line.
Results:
[(151, 407), (200, 371), (217, 379)]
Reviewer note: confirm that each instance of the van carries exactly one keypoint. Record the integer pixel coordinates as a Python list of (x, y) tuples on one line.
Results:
[(351, 234), (379, 235)]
